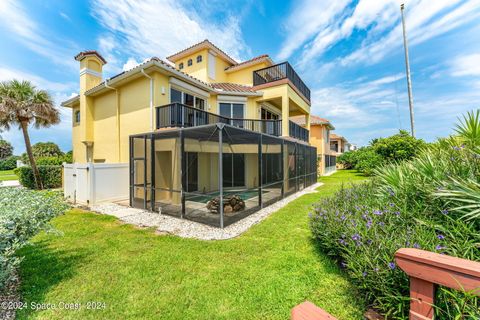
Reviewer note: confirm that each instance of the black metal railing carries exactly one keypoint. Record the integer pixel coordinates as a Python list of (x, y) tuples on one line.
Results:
[(297, 132), (183, 116), (278, 72)]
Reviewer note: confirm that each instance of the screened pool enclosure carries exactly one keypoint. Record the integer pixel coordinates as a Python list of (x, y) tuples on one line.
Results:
[(216, 174)]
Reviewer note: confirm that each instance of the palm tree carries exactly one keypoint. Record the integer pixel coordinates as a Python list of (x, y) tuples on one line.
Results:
[(22, 104)]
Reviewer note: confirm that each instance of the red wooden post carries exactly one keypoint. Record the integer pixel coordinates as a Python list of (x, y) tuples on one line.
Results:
[(422, 295), (427, 269)]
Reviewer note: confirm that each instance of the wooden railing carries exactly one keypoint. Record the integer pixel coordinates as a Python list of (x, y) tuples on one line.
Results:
[(278, 72), (426, 270)]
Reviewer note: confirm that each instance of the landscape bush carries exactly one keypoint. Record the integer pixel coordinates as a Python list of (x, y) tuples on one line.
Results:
[(407, 204), (6, 149), (393, 149), (43, 150), (9, 163), (23, 213), (51, 176)]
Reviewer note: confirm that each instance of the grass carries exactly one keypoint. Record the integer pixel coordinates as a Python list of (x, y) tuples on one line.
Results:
[(140, 275), (7, 175)]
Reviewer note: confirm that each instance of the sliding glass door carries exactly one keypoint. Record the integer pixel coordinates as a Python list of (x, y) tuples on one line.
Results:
[(235, 111)]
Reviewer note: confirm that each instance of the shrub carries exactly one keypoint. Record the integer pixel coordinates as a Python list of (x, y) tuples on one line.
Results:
[(401, 146), (9, 163), (363, 232), (6, 149), (398, 147), (51, 176), (52, 161), (43, 149), (23, 213), (68, 157), (429, 202)]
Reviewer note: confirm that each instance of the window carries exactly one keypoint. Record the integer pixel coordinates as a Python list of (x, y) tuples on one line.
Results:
[(186, 98), (199, 59), (77, 116), (190, 62), (180, 66), (268, 115), (175, 96), (233, 110)]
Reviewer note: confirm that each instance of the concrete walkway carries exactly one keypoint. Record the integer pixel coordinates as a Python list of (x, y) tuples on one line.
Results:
[(190, 229), (10, 183)]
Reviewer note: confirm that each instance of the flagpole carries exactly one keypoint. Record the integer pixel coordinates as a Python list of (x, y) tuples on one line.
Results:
[(409, 79)]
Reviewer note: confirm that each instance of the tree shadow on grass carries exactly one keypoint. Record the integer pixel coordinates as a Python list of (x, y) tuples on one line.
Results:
[(42, 268)]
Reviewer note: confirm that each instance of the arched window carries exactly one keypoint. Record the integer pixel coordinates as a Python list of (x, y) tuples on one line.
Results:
[(180, 66), (190, 62), (77, 116), (199, 59)]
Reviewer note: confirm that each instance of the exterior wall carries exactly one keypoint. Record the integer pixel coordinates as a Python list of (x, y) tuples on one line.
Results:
[(245, 76), (197, 70), (220, 66)]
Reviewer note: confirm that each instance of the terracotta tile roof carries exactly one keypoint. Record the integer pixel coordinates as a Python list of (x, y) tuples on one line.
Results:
[(207, 43), (336, 136), (233, 87), (260, 58), (83, 54), (300, 120)]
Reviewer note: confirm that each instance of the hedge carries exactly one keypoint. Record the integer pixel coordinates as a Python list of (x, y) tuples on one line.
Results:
[(23, 213), (51, 176), (9, 163)]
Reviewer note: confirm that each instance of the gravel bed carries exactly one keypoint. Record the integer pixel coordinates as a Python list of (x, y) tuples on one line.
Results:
[(188, 229), (9, 298)]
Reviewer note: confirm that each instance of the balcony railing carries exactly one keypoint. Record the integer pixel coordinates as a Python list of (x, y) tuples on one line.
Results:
[(183, 116), (278, 72), (297, 131)]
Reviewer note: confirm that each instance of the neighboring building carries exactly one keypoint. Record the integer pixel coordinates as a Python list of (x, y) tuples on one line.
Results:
[(171, 138), (320, 129), (338, 144)]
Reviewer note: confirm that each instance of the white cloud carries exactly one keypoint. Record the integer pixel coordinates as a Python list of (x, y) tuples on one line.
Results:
[(42, 83), (31, 35), (307, 19), (358, 105), (466, 65), (160, 28), (131, 63), (316, 27), (425, 20)]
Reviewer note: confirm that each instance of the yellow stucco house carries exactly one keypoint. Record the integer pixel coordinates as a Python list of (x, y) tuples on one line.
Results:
[(171, 136), (320, 137)]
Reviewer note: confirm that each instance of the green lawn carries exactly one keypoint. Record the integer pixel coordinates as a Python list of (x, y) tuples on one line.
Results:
[(7, 175), (140, 275)]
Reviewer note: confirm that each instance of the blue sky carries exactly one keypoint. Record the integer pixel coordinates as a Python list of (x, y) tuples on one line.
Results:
[(349, 53)]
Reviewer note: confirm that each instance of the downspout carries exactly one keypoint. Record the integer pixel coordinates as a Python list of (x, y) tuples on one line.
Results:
[(151, 98), (118, 118)]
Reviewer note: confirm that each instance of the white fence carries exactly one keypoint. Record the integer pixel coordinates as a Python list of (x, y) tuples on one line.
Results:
[(92, 183)]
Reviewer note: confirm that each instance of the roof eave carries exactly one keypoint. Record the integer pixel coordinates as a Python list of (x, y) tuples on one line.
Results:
[(237, 93), (149, 64), (70, 102), (248, 64)]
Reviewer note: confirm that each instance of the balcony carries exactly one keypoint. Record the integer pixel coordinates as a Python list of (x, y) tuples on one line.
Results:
[(279, 72), (297, 131), (178, 115)]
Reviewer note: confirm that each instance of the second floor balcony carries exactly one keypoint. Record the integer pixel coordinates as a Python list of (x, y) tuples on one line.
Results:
[(278, 72), (177, 115)]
